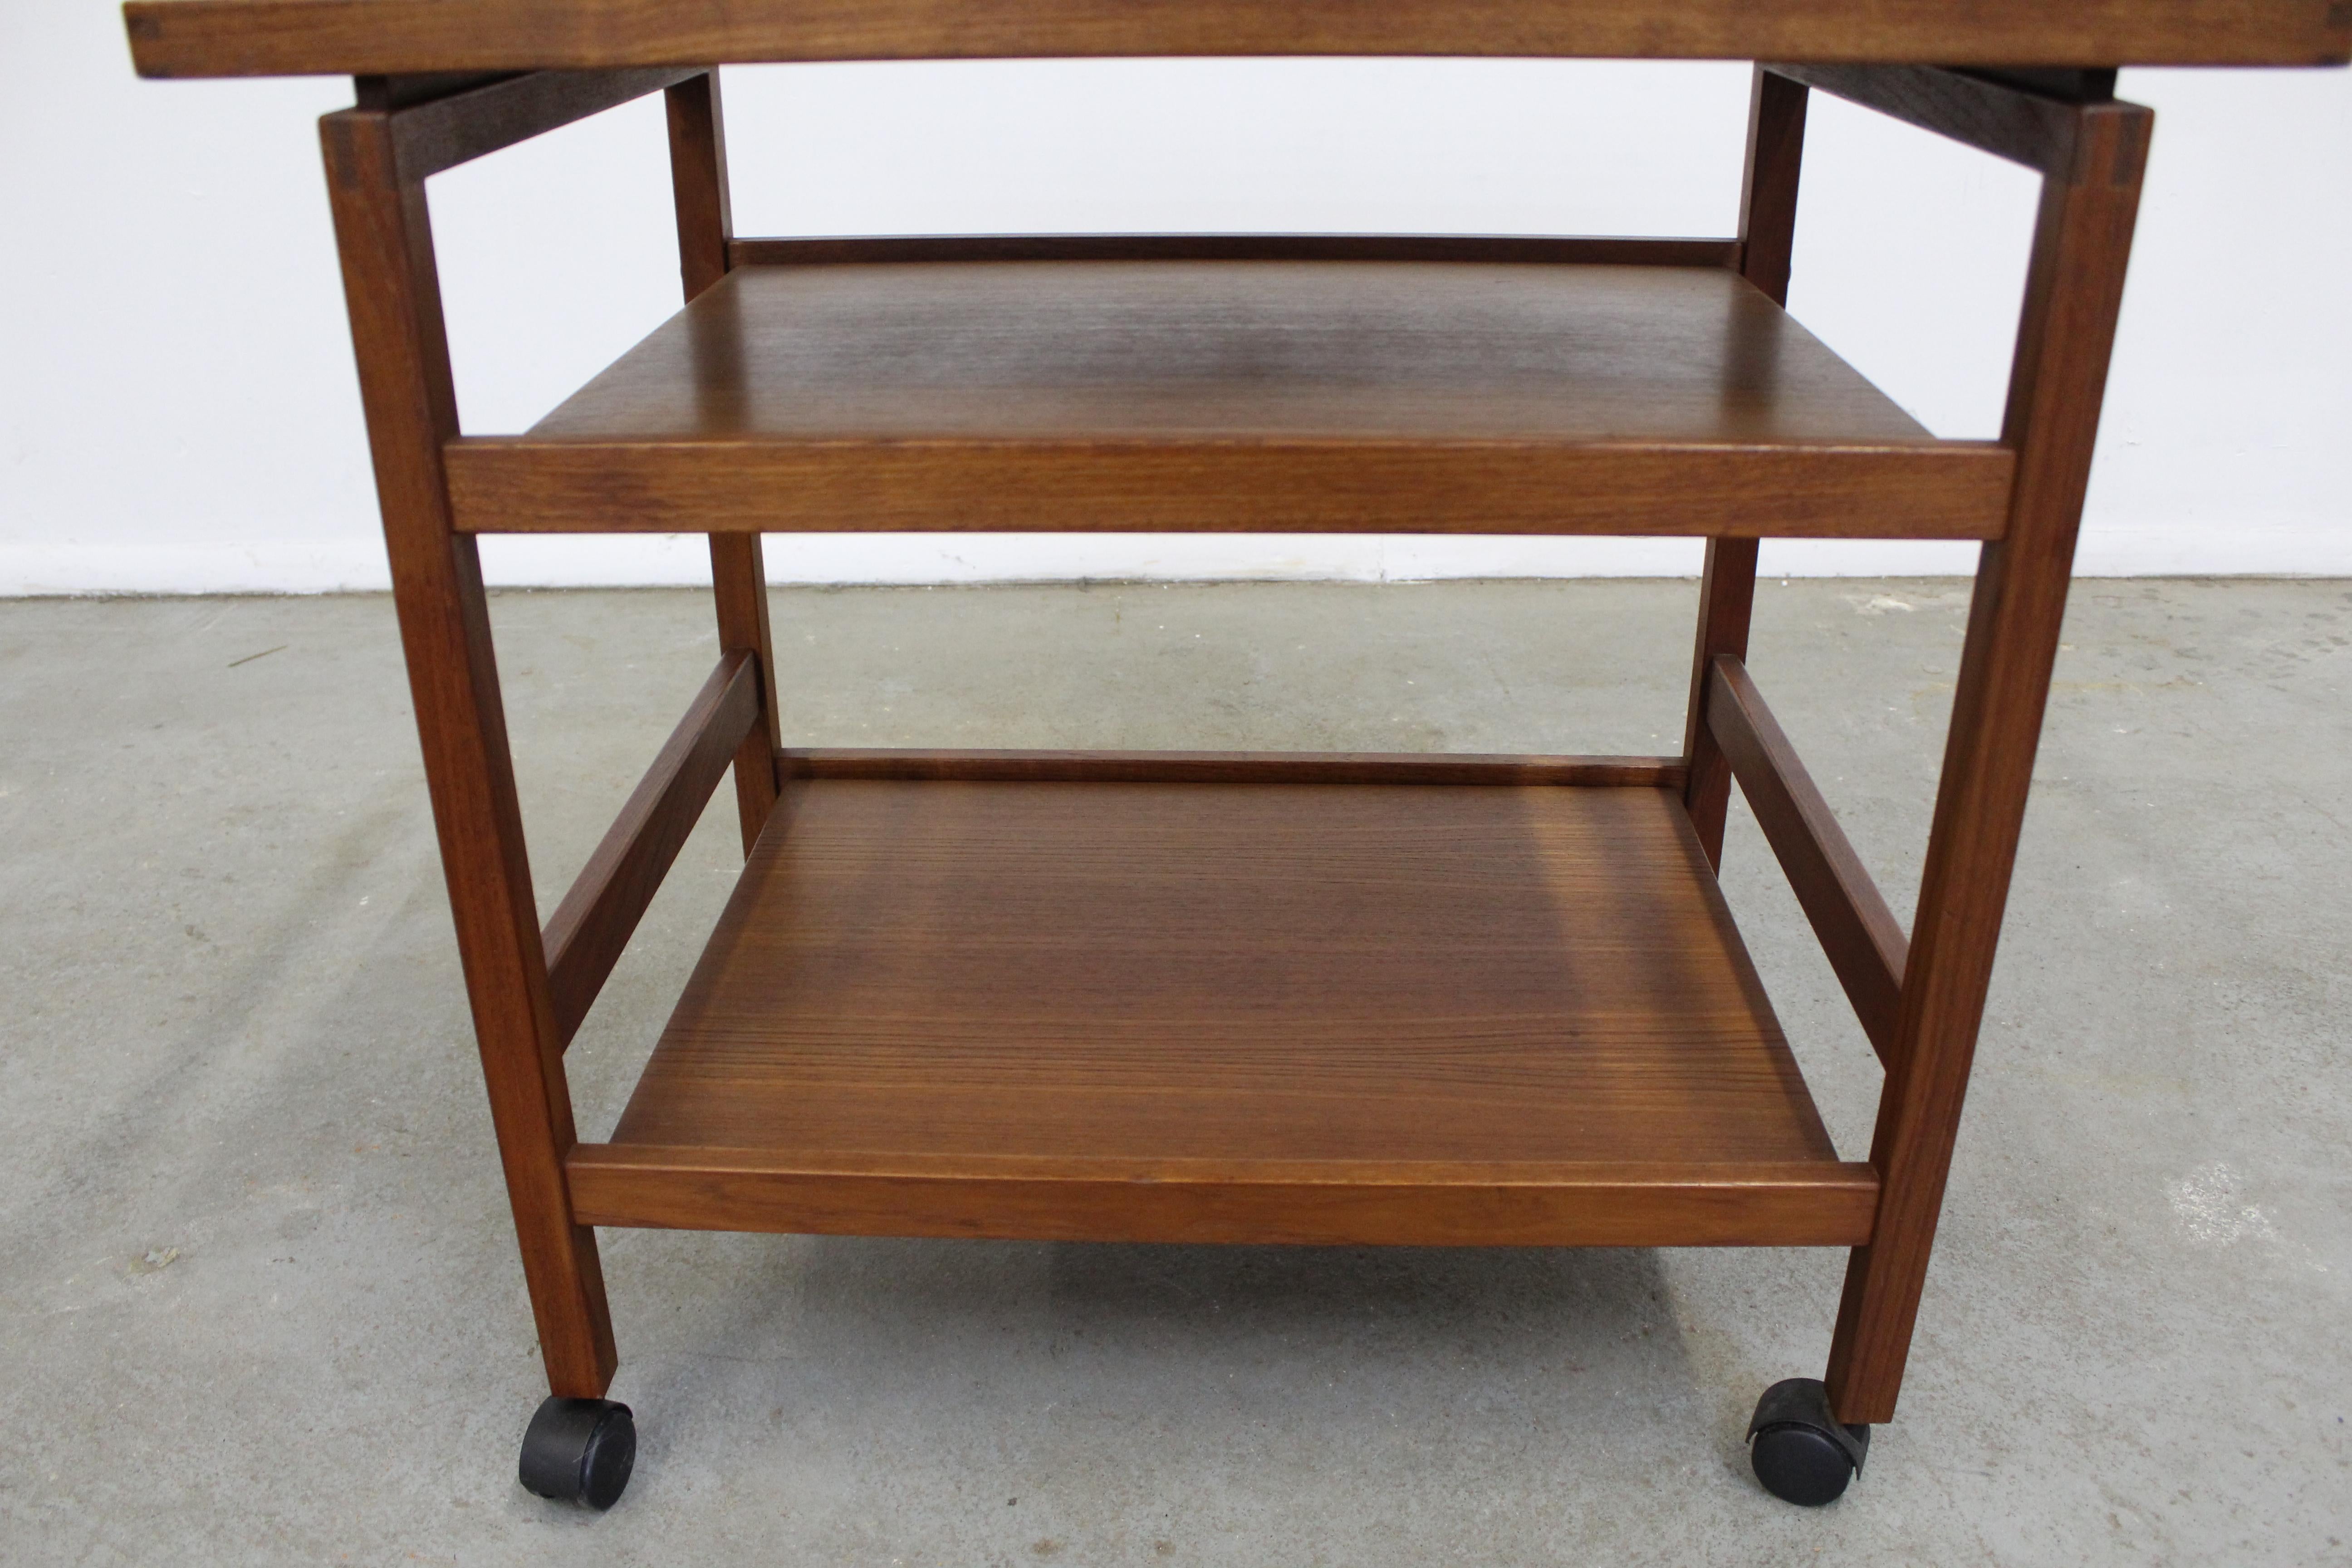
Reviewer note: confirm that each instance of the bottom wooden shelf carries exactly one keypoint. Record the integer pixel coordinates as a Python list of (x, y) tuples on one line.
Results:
[(1362, 1013)]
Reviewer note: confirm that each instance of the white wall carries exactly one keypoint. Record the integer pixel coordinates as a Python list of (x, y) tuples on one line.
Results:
[(177, 411)]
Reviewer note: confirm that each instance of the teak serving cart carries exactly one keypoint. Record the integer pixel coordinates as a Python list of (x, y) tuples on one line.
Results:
[(1434, 1000)]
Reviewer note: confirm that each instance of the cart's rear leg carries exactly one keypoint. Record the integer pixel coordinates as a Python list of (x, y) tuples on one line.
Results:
[(2092, 161)]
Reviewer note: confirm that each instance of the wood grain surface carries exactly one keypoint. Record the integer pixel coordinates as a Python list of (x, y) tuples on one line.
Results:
[(300, 38), (1859, 934), (1295, 1203), (384, 235), (1232, 349), (2073, 295), (1610, 251), (585, 935), (2022, 126), (980, 767), (1307, 397), (1726, 586), (739, 570), (1240, 977), (441, 133)]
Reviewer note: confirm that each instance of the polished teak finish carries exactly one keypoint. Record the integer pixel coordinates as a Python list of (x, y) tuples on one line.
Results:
[(1232, 996), (2090, 201), (1166, 1011), (310, 38), (1726, 593), (388, 283), (1306, 396)]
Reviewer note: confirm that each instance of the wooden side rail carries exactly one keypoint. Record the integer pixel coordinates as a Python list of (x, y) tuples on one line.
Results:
[(1603, 250), (436, 134), (1858, 931), (2026, 118), (585, 935), (1226, 767), (1087, 483), (1310, 1203)]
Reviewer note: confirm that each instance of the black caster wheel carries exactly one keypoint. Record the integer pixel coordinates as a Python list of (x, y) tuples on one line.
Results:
[(580, 1451), (1800, 1451)]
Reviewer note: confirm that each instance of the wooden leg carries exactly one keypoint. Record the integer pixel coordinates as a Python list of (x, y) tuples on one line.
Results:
[(1767, 225), (1726, 594), (2090, 200), (698, 180), (1767, 196), (739, 578), (394, 300)]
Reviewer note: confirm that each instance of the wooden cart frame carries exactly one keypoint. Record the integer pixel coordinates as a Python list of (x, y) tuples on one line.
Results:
[(1437, 1000), (1919, 1000)]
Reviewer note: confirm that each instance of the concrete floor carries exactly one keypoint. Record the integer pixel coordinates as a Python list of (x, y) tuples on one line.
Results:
[(259, 1300)]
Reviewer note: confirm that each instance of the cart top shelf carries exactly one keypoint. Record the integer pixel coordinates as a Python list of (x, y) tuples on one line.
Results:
[(312, 37)]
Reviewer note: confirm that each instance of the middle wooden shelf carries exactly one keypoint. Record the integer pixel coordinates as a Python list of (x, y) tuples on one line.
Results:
[(1283, 395)]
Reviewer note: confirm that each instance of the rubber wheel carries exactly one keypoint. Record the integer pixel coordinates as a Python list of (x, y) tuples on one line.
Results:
[(1799, 1450), (1799, 1465), (580, 1451)]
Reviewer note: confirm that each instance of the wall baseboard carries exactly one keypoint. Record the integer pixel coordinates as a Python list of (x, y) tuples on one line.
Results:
[(2293, 547)]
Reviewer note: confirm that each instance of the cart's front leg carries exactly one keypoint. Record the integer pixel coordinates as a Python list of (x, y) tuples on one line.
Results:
[(393, 297)]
